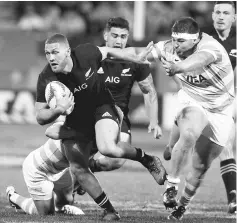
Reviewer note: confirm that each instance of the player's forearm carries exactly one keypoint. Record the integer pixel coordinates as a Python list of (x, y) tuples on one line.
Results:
[(128, 54), (46, 116), (193, 62), (151, 106), (58, 131)]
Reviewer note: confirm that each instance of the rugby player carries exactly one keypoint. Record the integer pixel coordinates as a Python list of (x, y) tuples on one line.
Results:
[(202, 66), (223, 31), (119, 77), (76, 69), (49, 182)]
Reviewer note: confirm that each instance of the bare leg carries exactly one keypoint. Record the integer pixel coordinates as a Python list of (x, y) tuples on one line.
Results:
[(204, 153), (78, 154), (104, 163), (26, 204), (191, 123), (174, 137), (107, 131)]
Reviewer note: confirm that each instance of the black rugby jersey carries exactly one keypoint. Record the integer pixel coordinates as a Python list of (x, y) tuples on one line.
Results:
[(88, 88), (229, 43), (119, 77)]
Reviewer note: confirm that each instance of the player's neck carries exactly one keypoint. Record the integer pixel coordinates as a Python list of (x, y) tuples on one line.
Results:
[(223, 34), (69, 66)]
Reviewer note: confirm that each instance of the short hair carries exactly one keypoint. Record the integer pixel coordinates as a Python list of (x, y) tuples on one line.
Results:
[(57, 38), (226, 2), (117, 22), (186, 25)]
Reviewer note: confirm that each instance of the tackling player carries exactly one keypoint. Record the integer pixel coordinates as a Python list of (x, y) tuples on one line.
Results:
[(202, 66), (222, 30), (49, 182)]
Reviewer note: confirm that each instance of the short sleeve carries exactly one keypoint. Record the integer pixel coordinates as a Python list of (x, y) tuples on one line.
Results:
[(142, 72), (40, 93), (88, 52), (211, 48)]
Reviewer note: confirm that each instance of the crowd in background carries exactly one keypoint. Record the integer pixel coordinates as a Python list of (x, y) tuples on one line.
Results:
[(88, 17), (81, 22)]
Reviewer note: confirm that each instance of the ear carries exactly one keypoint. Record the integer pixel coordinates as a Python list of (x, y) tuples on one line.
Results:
[(105, 36), (68, 51), (212, 15), (234, 18), (195, 41)]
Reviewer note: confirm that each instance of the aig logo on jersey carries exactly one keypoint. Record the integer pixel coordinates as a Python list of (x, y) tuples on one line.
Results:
[(79, 88), (112, 79)]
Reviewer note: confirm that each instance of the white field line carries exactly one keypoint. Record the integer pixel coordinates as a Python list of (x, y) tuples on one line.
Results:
[(11, 161)]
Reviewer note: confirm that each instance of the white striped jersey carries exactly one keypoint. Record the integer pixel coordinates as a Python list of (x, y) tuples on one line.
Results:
[(50, 157), (212, 86)]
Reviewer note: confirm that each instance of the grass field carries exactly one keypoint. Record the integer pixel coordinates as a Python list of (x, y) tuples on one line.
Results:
[(131, 189)]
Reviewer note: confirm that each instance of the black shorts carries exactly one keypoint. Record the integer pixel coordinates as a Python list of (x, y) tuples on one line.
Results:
[(107, 111), (126, 125)]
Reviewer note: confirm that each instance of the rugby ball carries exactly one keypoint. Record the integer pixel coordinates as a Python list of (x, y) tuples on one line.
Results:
[(61, 89)]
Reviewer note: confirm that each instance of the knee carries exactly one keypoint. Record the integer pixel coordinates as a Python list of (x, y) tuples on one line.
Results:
[(79, 172), (118, 163), (189, 137), (199, 169), (68, 198), (110, 149)]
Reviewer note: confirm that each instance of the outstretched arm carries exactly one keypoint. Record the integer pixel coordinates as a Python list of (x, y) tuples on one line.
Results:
[(151, 104), (133, 54), (193, 62)]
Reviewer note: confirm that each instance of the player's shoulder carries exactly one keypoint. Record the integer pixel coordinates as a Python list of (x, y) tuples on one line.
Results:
[(46, 72), (87, 51), (208, 41), (232, 34), (85, 48), (210, 30)]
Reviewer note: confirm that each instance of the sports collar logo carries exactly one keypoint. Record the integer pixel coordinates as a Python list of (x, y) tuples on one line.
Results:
[(88, 74), (124, 72), (106, 114), (100, 71)]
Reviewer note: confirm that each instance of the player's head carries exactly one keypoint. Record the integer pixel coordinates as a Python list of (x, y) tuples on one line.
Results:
[(57, 51), (223, 15), (116, 32), (185, 35)]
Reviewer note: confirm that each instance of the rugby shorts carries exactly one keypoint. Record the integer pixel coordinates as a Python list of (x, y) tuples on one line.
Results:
[(220, 123), (126, 125), (108, 111)]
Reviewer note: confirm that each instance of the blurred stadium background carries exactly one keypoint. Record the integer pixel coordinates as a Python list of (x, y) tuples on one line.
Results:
[(24, 26)]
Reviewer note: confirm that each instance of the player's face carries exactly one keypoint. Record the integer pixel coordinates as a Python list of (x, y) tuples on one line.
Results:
[(56, 55), (116, 37), (183, 46), (223, 16)]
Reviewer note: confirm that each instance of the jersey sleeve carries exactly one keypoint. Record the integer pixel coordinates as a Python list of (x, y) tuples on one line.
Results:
[(87, 53), (142, 72), (40, 93), (210, 47)]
